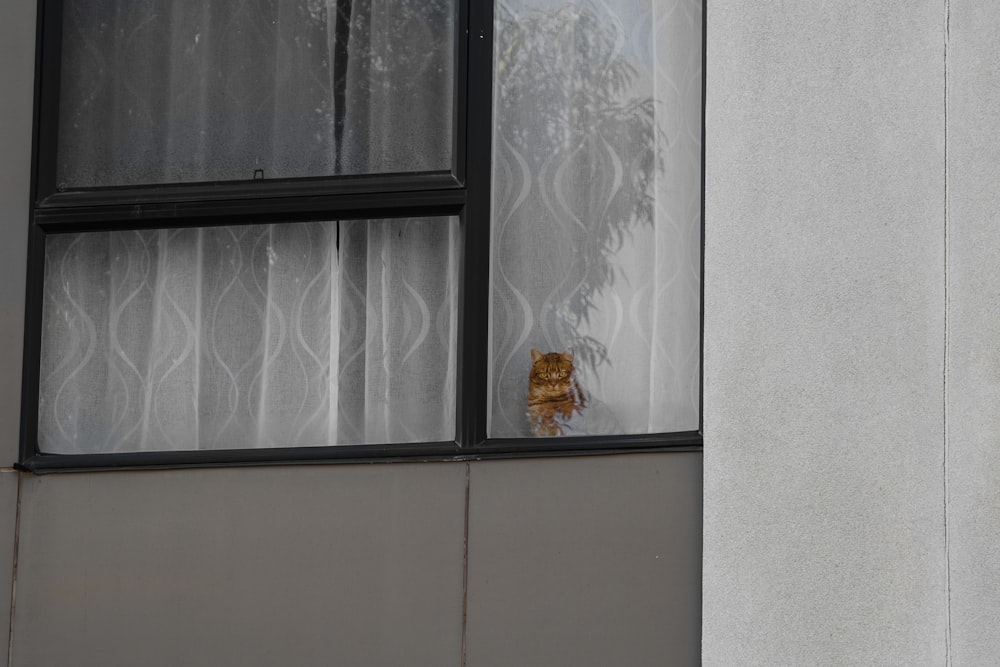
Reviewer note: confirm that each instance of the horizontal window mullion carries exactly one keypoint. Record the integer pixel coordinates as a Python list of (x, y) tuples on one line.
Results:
[(396, 453), (230, 457), (253, 190), (250, 211), (594, 443)]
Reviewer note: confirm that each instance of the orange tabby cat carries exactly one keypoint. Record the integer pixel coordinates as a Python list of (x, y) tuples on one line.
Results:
[(553, 393)]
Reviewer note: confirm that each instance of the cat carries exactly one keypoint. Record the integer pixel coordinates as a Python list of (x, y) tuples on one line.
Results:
[(554, 396)]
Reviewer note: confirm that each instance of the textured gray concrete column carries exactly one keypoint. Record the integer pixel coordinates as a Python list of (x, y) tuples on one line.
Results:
[(824, 334), (17, 35), (974, 331)]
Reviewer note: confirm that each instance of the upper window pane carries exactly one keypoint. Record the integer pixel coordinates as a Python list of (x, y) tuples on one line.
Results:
[(179, 91), (596, 217)]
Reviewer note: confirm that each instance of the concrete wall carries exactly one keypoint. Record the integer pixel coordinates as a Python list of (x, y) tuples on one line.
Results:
[(852, 378), (586, 562), (270, 566), (17, 54), (973, 382)]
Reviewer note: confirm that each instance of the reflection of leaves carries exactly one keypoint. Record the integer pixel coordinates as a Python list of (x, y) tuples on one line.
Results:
[(566, 95), (565, 66)]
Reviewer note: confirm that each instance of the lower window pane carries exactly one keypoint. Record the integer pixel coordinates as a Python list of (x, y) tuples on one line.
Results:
[(596, 217), (301, 334)]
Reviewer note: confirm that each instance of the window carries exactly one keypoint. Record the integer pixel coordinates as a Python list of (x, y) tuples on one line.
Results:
[(342, 229)]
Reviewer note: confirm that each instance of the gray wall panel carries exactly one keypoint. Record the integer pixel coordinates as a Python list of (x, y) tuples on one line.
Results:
[(585, 561), (824, 343), (973, 331), (17, 40), (348, 565), (8, 517), (17, 37)]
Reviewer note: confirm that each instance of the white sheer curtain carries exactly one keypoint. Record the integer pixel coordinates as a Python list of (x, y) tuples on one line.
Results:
[(250, 336), (168, 91), (596, 211)]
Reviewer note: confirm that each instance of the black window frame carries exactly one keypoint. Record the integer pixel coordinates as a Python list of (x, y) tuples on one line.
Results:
[(464, 193)]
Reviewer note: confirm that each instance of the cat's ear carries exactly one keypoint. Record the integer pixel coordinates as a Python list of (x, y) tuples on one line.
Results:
[(568, 355), (535, 356)]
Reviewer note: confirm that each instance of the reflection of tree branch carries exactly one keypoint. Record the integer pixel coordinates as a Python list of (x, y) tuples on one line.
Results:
[(566, 94)]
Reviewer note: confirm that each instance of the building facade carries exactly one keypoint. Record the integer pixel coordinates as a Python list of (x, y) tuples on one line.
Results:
[(844, 510)]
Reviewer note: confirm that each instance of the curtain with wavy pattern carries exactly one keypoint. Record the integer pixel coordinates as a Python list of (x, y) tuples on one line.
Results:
[(596, 211), (301, 334)]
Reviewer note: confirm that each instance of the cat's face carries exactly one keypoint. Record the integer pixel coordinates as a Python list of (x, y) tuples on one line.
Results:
[(551, 371)]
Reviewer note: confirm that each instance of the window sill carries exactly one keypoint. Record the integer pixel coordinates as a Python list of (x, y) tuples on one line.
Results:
[(400, 453)]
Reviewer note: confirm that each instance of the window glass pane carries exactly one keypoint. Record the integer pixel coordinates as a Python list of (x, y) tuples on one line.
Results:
[(168, 91), (596, 217), (253, 336)]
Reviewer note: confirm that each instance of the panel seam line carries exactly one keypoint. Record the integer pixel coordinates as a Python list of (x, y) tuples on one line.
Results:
[(944, 389), (465, 566)]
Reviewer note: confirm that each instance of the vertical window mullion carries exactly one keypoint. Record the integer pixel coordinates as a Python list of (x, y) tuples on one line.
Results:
[(47, 81), (475, 285), (32, 342)]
